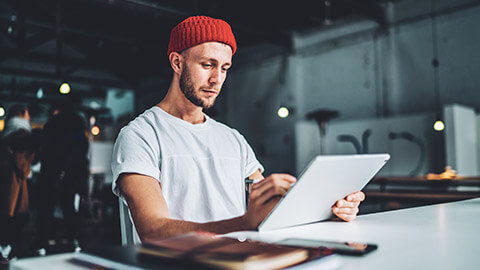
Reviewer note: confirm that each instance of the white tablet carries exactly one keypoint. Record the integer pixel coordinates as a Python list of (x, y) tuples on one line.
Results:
[(326, 179)]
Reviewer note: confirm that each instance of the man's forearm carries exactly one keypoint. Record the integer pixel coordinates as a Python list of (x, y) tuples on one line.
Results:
[(166, 227)]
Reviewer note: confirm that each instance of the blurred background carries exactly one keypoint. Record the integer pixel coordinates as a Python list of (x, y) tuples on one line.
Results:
[(309, 78)]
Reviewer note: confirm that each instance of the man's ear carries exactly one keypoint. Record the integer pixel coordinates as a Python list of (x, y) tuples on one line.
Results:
[(176, 62)]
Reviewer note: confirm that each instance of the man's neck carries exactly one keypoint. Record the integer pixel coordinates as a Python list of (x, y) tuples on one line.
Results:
[(176, 104)]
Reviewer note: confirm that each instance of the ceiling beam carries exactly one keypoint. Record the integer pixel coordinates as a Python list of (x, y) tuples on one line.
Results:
[(77, 79), (50, 59), (147, 6), (36, 40), (33, 25)]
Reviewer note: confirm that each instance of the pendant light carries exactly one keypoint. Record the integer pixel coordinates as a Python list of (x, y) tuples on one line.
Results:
[(438, 124)]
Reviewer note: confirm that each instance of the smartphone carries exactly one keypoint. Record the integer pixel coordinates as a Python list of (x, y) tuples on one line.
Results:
[(347, 248)]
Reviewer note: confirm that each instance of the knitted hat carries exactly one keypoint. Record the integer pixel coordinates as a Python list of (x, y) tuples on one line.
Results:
[(199, 29)]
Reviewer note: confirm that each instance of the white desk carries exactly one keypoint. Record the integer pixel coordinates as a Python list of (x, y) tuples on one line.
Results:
[(443, 236)]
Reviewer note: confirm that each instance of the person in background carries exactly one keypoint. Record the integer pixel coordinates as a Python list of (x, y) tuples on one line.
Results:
[(64, 173), (180, 170), (17, 150), (18, 110)]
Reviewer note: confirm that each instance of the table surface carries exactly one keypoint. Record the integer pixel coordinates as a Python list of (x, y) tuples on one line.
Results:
[(443, 236)]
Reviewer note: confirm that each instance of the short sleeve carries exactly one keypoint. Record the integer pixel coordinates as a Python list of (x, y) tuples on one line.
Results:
[(250, 160), (135, 151)]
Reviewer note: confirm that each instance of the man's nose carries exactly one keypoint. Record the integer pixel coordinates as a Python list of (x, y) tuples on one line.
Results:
[(216, 76)]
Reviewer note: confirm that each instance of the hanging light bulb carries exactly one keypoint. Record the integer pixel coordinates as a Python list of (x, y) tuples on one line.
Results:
[(95, 130), (92, 120), (439, 125), (40, 93), (283, 112), (64, 88), (327, 20), (2, 111)]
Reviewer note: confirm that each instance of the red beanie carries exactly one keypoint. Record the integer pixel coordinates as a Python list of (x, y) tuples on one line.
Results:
[(199, 29)]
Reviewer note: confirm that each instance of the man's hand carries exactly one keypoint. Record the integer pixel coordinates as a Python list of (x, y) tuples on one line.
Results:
[(347, 208), (264, 195)]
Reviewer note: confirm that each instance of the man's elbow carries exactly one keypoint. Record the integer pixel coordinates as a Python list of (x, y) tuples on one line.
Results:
[(156, 228)]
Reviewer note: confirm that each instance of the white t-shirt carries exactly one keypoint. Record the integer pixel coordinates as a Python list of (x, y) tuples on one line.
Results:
[(201, 167)]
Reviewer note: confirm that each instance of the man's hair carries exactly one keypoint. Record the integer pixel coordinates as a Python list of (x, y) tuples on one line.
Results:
[(16, 110), (200, 29)]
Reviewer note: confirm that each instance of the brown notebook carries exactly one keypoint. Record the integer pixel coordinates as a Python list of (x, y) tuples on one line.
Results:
[(225, 253)]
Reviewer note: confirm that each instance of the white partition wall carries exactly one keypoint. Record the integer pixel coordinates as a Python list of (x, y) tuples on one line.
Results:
[(478, 142), (399, 136), (461, 139)]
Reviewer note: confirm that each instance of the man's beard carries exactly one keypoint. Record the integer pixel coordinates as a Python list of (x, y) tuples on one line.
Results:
[(188, 91)]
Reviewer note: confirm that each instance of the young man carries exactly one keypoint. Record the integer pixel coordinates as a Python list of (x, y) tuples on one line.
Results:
[(178, 169)]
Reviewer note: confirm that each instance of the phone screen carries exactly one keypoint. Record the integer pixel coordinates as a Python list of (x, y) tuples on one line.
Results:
[(348, 248)]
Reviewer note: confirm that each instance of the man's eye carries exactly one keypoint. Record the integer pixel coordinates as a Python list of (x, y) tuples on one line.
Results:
[(207, 65)]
